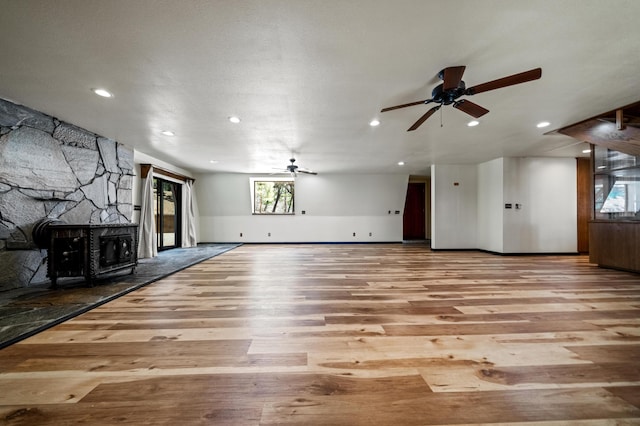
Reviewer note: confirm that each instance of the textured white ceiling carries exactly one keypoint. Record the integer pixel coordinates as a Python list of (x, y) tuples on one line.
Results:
[(306, 77)]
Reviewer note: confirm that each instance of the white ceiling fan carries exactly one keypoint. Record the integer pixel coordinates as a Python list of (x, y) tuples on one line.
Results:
[(293, 169)]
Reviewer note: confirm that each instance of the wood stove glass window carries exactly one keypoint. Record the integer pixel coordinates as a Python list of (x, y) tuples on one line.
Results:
[(167, 210)]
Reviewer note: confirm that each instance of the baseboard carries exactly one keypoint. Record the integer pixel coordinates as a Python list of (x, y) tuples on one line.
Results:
[(497, 253), (307, 242), (564, 253)]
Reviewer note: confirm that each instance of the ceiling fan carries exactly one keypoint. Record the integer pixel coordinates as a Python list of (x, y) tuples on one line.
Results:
[(293, 169), (452, 87)]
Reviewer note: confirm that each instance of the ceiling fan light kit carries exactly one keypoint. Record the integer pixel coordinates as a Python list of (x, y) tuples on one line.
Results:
[(453, 87)]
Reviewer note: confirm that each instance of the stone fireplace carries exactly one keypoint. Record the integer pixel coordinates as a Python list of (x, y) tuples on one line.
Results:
[(52, 169)]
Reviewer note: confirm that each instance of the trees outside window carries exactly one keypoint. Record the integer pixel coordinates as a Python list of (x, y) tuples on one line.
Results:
[(273, 196)]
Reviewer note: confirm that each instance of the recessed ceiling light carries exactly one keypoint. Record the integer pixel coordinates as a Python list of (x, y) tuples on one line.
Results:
[(400, 163), (102, 92), (374, 123), (234, 119), (473, 123), (586, 151), (542, 124), (213, 161), (168, 133)]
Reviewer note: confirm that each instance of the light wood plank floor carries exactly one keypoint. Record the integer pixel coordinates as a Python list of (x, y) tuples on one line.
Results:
[(343, 335)]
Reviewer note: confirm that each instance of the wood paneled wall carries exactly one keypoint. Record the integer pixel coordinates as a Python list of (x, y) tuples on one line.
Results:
[(585, 202)]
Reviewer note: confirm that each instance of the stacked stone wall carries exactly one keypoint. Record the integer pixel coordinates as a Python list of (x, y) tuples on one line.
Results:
[(52, 169)]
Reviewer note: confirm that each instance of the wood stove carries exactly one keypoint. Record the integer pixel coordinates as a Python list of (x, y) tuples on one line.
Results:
[(89, 250)]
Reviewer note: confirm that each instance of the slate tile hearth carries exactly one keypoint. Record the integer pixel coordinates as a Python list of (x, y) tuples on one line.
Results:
[(29, 310)]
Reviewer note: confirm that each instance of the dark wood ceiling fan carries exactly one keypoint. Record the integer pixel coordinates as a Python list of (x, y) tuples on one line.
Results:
[(453, 87)]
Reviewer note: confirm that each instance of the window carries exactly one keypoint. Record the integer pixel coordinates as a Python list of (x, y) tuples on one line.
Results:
[(616, 201), (616, 185), (272, 195)]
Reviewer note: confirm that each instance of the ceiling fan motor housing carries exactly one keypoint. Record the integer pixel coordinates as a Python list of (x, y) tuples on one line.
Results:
[(440, 96), (292, 167)]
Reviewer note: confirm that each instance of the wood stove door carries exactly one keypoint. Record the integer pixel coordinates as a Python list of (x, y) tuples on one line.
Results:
[(68, 257), (115, 249)]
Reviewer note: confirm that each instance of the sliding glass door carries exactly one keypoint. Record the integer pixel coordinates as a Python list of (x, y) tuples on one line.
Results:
[(167, 208)]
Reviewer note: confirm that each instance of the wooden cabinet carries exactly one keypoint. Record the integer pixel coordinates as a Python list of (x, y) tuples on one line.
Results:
[(614, 235), (615, 244)]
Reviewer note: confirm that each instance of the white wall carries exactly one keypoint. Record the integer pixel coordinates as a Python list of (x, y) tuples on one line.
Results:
[(470, 215), (454, 206), (490, 205), (335, 207), (544, 188)]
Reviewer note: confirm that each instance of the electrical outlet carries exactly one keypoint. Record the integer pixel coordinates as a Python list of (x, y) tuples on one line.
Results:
[(354, 234), (268, 234), (241, 234), (371, 234)]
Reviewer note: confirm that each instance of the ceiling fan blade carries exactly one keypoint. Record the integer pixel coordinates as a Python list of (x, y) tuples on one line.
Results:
[(423, 118), (522, 77), (309, 172), (452, 77), (470, 108), (426, 101)]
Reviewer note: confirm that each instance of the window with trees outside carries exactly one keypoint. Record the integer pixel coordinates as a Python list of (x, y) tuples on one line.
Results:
[(272, 195)]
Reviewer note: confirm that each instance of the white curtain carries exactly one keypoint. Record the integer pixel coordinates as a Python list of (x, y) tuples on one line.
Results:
[(188, 217), (147, 238)]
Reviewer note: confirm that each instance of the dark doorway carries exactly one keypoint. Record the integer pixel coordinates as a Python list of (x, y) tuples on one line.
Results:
[(413, 221), (167, 210)]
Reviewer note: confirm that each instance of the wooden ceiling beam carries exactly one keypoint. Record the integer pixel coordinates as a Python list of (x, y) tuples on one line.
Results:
[(606, 134), (612, 134)]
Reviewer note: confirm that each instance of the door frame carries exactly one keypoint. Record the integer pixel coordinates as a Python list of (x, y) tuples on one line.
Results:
[(159, 215), (426, 180)]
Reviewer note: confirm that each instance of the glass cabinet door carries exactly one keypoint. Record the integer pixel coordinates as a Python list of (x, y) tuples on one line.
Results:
[(616, 185)]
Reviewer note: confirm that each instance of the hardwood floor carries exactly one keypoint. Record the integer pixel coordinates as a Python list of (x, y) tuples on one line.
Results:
[(343, 335)]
